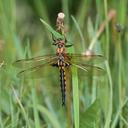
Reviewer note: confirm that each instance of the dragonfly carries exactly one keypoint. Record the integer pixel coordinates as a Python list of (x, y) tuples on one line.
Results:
[(63, 62)]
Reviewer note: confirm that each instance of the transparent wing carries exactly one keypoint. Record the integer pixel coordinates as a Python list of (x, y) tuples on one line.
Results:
[(40, 71), (89, 70), (84, 59), (32, 62)]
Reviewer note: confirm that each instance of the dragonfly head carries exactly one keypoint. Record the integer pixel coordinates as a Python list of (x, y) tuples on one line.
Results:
[(60, 45), (59, 42)]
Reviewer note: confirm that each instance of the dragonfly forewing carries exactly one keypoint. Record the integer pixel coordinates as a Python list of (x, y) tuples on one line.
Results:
[(85, 59), (33, 62)]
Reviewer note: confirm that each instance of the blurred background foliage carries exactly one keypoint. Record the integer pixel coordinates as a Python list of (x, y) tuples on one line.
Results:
[(37, 103)]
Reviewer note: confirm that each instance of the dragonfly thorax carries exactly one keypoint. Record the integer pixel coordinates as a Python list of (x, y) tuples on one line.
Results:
[(61, 61), (60, 50), (60, 46)]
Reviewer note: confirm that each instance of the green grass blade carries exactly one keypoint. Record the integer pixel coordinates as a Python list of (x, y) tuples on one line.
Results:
[(75, 90), (80, 32), (65, 4), (90, 118), (36, 116), (51, 118), (115, 121), (106, 30), (22, 108), (50, 29), (110, 103)]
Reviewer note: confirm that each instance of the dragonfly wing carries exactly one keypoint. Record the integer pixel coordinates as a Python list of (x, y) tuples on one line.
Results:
[(32, 62), (89, 70), (84, 59), (40, 71)]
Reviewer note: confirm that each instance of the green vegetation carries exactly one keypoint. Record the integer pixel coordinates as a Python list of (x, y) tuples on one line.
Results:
[(100, 26)]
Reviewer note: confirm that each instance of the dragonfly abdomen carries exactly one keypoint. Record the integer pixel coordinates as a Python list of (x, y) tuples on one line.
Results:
[(63, 84)]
